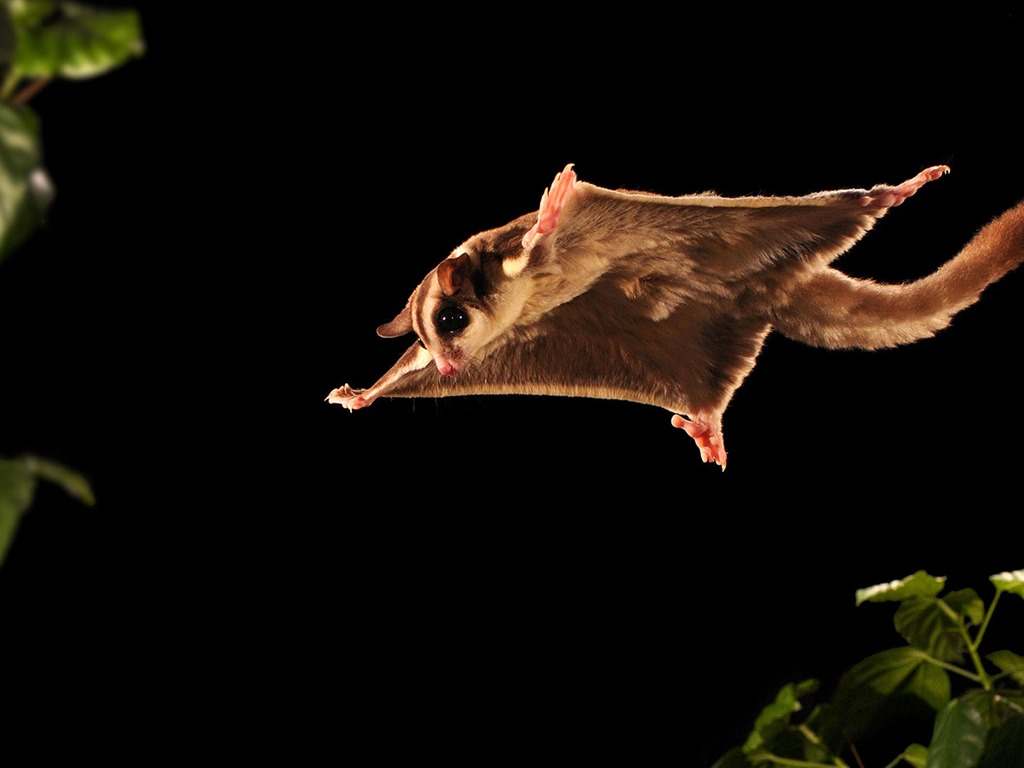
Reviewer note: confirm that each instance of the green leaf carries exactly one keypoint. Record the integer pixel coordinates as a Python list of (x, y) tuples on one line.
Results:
[(734, 758), (1005, 744), (886, 671), (17, 487), (777, 714), (31, 13), (74, 483), (916, 755), (924, 624), (966, 604), (1010, 663), (76, 41), (879, 686), (25, 189), (959, 736), (930, 684), (1009, 581), (920, 584)]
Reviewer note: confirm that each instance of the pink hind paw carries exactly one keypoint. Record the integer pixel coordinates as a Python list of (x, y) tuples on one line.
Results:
[(551, 204), (346, 397), (707, 437)]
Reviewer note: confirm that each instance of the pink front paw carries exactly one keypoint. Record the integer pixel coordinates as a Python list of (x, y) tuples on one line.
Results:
[(346, 397), (706, 436), (894, 196)]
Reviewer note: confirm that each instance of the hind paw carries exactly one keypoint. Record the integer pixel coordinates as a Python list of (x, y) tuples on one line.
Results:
[(706, 435)]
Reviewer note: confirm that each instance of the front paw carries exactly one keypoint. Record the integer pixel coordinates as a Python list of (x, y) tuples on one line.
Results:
[(346, 397)]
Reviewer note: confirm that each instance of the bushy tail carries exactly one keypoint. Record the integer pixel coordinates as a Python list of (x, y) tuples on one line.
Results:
[(837, 311)]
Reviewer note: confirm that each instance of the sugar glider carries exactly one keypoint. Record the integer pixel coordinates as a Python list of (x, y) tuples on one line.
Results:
[(667, 301)]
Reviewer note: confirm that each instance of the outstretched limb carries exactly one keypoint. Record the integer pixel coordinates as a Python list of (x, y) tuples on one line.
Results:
[(706, 433), (352, 399), (890, 197), (551, 204)]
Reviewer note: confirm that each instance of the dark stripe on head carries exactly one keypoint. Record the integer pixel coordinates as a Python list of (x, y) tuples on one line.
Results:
[(419, 298), (477, 278), (508, 243)]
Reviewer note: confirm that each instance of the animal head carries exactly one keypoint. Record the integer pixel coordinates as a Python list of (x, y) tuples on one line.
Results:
[(469, 300)]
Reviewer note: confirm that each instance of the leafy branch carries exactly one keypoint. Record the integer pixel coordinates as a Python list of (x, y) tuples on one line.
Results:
[(981, 727), (42, 41)]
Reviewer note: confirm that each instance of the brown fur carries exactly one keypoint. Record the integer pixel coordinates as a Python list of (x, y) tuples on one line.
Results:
[(837, 311), (667, 301)]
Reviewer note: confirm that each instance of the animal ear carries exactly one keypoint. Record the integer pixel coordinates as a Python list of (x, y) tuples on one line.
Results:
[(551, 204), (401, 325), (454, 273)]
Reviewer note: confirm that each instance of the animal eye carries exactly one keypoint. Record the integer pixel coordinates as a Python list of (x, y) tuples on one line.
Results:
[(450, 319)]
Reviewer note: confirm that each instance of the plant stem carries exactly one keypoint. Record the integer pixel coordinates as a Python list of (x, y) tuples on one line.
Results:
[(801, 763), (972, 648), (30, 90), (808, 734), (1009, 703), (856, 754), (952, 668), (988, 617)]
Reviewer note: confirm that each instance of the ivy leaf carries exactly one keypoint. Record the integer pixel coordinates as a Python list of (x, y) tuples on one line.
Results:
[(17, 487), (1009, 581), (75, 41), (925, 624), (25, 189), (959, 736), (1009, 662), (920, 584)]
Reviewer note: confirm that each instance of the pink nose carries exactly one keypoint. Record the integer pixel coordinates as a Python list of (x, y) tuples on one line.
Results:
[(446, 367)]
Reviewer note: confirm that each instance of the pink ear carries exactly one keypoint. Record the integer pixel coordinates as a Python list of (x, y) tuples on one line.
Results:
[(453, 273), (400, 326), (551, 204)]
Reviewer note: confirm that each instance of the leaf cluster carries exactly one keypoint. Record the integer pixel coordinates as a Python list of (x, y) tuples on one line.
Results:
[(982, 726), (42, 40)]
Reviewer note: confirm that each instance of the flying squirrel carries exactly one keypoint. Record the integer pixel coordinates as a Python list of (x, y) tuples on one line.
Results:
[(667, 301)]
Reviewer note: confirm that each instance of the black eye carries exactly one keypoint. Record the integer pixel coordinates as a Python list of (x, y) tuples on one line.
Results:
[(450, 319)]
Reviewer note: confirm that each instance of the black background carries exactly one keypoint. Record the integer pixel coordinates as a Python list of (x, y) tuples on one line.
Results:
[(481, 579)]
